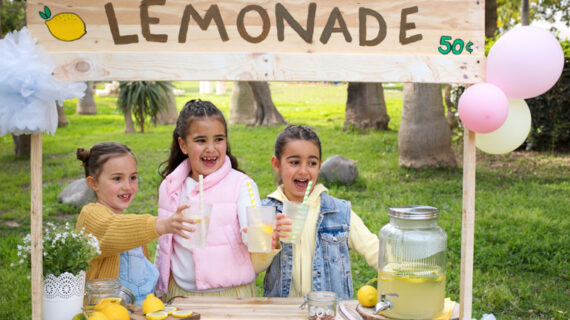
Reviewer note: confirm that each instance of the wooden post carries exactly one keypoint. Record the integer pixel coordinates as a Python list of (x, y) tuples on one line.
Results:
[(36, 224), (467, 226)]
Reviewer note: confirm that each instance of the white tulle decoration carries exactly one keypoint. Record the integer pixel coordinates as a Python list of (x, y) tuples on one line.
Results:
[(28, 90)]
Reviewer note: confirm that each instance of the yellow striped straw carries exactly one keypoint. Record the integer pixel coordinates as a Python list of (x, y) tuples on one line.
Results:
[(251, 196)]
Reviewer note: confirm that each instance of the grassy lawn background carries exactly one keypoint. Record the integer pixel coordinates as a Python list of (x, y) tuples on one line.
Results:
[(522, 202)]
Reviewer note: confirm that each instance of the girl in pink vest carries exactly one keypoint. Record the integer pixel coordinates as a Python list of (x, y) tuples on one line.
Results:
[(224, 267)]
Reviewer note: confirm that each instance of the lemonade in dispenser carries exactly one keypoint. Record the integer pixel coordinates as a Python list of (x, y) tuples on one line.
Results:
[(412, 258)]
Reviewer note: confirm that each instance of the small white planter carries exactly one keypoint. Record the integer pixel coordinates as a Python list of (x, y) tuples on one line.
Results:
[(63, 295)]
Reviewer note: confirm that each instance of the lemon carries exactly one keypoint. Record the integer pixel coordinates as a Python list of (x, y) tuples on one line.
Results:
[(267, 228), (97, 316), (367, 296), (78, 316), (169, 310), (157, 315), (181, 313), (115, 311), (65, 26), (152, 304)]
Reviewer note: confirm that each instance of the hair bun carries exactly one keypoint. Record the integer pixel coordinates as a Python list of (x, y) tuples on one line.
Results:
[(83, 155)]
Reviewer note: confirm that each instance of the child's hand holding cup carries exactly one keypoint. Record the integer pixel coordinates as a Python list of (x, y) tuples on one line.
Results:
[(297, 213)]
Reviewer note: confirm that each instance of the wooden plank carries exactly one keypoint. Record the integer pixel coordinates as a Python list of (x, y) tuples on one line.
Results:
[(215, 308), (36, 223), (467, 226), (266, 67), (381, 32)]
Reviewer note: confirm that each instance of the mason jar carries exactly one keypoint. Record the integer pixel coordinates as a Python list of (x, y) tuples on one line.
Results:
[(411, 262), (321, 305), (98, 289)]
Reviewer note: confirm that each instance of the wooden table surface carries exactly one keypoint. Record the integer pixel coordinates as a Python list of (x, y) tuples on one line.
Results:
[(214, 308), (218, 308)]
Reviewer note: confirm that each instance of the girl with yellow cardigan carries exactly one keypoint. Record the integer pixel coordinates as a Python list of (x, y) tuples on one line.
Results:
[(111, 171)]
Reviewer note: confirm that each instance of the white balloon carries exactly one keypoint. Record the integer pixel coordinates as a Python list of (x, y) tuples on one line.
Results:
[(511, 134)]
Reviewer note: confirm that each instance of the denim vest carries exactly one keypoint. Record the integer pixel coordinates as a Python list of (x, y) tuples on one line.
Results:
[(137, 274), (331, 260)]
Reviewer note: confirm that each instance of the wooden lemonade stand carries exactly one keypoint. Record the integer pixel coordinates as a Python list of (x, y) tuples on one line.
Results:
[(264, 40)]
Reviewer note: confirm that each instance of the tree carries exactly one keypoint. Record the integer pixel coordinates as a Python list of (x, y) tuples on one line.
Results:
[(61, 119), (242, 104), (424, 139), (266, 113), (490, 18), (366, 107), (509, 12), (87, 105), (142, 99), (168, 115), (13, 17)]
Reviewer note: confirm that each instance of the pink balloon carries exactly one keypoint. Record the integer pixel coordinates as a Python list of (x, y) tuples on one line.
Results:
[(483, 107), (525, 62)]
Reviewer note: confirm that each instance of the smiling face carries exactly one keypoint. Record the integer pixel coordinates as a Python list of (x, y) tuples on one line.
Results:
[(205, 144), (116, 184), (299, 164)]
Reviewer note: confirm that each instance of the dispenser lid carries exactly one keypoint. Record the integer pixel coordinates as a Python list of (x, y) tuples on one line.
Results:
[(414, 212)]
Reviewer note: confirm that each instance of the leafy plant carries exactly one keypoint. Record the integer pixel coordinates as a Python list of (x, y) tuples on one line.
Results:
[(64, 250), (142, 99)]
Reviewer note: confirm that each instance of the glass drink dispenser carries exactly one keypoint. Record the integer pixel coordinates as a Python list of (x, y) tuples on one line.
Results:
[(412, 258)]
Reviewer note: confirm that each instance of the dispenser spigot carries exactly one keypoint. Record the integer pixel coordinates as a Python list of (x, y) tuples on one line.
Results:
[(384, 304)]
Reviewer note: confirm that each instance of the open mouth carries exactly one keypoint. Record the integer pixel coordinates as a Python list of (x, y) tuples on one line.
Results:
[(125, 197), (301, 183), (209, 161)]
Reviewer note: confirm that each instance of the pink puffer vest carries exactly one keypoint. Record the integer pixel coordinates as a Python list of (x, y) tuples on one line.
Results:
[(225, 261)]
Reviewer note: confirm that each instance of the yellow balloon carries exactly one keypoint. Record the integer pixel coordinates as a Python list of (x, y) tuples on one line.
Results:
[(511, 134)]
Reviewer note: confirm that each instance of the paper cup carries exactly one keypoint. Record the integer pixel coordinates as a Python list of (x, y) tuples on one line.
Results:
[(297, 213), (260, 228)]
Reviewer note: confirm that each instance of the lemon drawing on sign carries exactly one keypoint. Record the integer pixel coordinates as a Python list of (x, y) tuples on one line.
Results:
[(64, 26)]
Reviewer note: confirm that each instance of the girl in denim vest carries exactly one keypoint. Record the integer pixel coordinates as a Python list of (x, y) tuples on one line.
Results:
[(111, 171), (319, 260), (223, 267)]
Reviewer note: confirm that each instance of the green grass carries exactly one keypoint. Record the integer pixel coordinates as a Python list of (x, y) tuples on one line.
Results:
[(522, 202)]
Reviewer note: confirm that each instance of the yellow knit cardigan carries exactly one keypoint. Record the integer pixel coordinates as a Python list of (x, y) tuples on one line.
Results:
[(116, 233)]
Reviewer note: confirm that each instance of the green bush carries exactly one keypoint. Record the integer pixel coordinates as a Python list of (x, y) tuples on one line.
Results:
[(550, 129)]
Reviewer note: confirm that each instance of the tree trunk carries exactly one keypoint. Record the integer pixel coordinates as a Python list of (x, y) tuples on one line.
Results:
[(1, 33), (61, 119), (86, 105), (242, 104), (169, 114), (524, 13), (365, 106), (424, 139), (490, 18), (266, 113), (129, 126), (22, 145)]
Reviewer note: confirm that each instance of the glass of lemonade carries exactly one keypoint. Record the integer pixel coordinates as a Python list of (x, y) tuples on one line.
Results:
[(202, 219), (297, 213), (260, 228)]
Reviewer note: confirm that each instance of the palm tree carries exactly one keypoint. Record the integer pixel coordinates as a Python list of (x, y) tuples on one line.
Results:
[(424, 139), (142, 99), (366, 106)]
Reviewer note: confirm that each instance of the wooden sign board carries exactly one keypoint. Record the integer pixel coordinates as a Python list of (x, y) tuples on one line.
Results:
[(263, 40)]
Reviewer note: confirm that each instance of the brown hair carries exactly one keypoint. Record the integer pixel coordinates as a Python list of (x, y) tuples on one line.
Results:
[(94, 158), (295, 132), (193, 110)]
